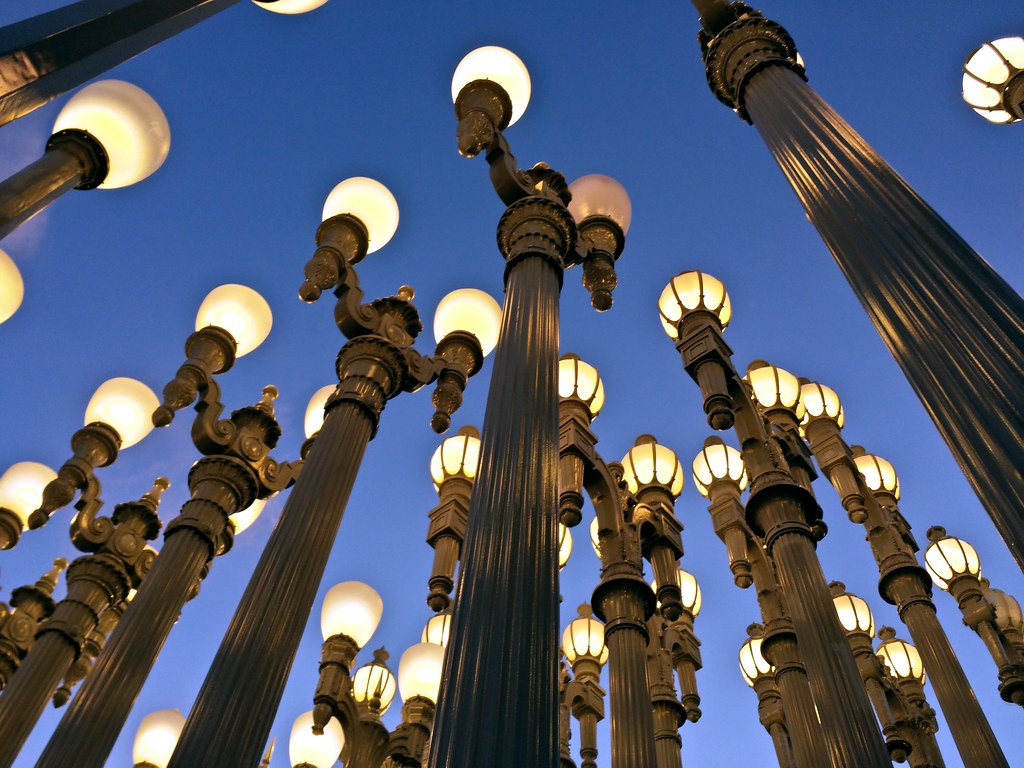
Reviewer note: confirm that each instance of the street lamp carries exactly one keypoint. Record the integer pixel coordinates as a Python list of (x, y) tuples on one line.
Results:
[(869, 490), (781, 511), (954, 567), (110, 134), (760, 675), (931, 297), (993, 82)]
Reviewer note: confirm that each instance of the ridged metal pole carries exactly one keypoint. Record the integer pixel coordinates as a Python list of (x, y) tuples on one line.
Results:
[(234, 712), (503, 648), (954, 326), (90, 727)]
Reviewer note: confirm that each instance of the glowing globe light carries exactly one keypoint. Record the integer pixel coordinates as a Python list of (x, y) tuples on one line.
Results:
[(691, 291), (12, 287), (501, 66), (598, 195), (243, 518), (370, 202), (157, 737), (125, 404), (471, 311), (306, 748), (419, 671), (127, 122), (580, 380), (240, 311), (291, 7), (648, 463), (21, 488), (353, 609)]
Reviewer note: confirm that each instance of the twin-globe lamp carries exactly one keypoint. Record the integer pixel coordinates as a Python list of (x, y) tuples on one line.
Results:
[(109, 134), (993, 81)]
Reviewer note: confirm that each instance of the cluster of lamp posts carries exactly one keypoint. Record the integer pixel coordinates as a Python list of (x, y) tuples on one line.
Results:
[(89, 148)]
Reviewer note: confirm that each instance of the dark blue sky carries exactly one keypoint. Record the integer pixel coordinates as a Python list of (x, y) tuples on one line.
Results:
[(268, 113)]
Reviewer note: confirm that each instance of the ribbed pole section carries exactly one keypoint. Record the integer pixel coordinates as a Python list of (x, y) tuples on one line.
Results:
[(967, 723), (498, 704), (955, 327), (95, 716), (620, 602), (24, 700), (231, 719), (847, 720), (667, 742), (805, 735)]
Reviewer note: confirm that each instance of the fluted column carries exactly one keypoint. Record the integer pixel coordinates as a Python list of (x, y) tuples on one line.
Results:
[(95, 716), (503, 646), (625, 603), (848, 723), (954, 326), (235, 709)]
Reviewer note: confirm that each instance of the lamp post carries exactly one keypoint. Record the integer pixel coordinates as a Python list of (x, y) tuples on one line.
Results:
[(235, 470), (903, 663), (720, 474), (695, 309), (869, 490), (30, 605), (954, 566), (116, 562), (510, 547), (934, 301), (759, 674), (232, 717)]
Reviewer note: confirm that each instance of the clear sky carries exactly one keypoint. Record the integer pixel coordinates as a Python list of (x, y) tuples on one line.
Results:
[(267, 113)]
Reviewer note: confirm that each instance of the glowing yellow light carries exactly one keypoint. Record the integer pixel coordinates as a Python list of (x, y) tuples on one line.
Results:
[(500, 65), (125, 404), (127, 122), (370, 202), (468, 309), (240, 311)]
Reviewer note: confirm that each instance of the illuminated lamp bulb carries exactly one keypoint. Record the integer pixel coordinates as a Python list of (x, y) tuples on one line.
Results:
[(689, 292), (718, 462), (501, 66), (157, 737), (353, 609), (21, 488), (12, 287), (305, 748), (580, 380), (649, 464), (127, 122), (419, 671), (370, 202), (315, 410), (598, 195), (125, 404), (471, 311), (240, 311)]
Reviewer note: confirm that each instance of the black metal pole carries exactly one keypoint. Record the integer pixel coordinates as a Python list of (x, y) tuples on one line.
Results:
[(954, 326), (50, 54), (235, 709), (72, 160), (503, 647), (93, 721)]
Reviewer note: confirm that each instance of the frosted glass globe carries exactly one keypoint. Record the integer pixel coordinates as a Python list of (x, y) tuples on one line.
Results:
[(370, 202), (500, 65)]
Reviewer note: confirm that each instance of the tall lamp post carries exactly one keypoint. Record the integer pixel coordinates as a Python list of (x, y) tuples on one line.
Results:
[(955, 327), (507, 603), (781, 510)]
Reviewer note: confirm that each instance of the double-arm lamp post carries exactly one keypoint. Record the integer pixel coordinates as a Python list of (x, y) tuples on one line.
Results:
[(955, 327)]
